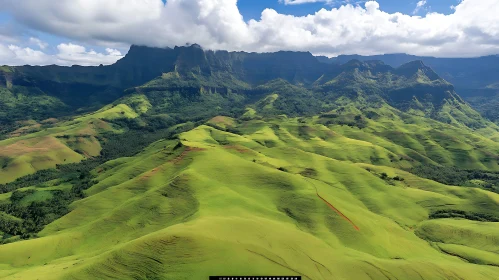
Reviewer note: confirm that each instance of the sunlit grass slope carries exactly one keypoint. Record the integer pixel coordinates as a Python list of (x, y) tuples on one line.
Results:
[(280, 196), (418, 140), (477, 242), (42, 146)]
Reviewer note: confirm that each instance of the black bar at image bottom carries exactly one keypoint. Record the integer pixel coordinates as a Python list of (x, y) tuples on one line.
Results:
[(255, 277)]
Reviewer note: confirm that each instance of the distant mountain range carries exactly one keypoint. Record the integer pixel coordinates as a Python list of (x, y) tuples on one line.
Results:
[(475, 79), (464, 73), (50, 91)]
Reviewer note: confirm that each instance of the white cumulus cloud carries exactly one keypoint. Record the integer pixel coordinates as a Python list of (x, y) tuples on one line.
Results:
[(472, 29), (67, 54), (419, 6), (15, 55), (41, 44), (76, 54)]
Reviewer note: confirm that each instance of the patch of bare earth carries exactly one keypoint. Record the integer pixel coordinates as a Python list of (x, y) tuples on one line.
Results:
[(237, 148), (22, 147), (187, 150)]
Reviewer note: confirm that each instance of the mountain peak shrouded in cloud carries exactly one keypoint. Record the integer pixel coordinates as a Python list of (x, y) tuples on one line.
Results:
[(470, 30)]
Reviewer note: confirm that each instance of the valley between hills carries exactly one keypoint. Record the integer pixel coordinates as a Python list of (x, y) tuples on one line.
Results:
[(183, 163)]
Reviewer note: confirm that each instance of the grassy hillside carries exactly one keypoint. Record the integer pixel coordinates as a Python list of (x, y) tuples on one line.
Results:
[(290, 196), (37, 146)]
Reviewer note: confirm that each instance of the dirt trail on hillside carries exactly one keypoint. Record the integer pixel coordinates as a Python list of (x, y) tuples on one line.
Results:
[(336, 210)]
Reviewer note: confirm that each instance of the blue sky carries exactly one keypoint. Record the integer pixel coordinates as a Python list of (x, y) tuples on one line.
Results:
[(96, 31), (252, 9)]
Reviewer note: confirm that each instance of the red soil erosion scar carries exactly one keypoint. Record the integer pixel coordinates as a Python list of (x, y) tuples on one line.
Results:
[(336, 210), (237, 148)]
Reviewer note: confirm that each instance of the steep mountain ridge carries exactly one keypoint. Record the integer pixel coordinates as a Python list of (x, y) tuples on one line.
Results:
[(87, 88), (234, 80), (254, 68), (474, 78), (412, 87), (464, 73)]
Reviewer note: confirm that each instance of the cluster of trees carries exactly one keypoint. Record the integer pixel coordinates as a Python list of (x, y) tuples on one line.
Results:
[(458, 177), (385, 177), (30, 180), (191, 104), (33, 216), (21, 103), (486, 102), (291, 101), (346, 119), (440, 214)]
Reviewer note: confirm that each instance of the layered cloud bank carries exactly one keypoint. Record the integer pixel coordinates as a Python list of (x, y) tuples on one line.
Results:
[(471, 30)]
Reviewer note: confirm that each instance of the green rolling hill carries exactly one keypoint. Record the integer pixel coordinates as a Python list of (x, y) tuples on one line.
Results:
[(251, 164)]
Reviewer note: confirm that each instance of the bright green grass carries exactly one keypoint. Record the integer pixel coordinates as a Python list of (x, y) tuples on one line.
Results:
[(427, 141), (222, 122), (220, 205), (470, 254), (66, 142), (479, 235), (139, 103), (111, 112), (49, 186), (36, 197), (88, 146), (28, 156), (476, 242)]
